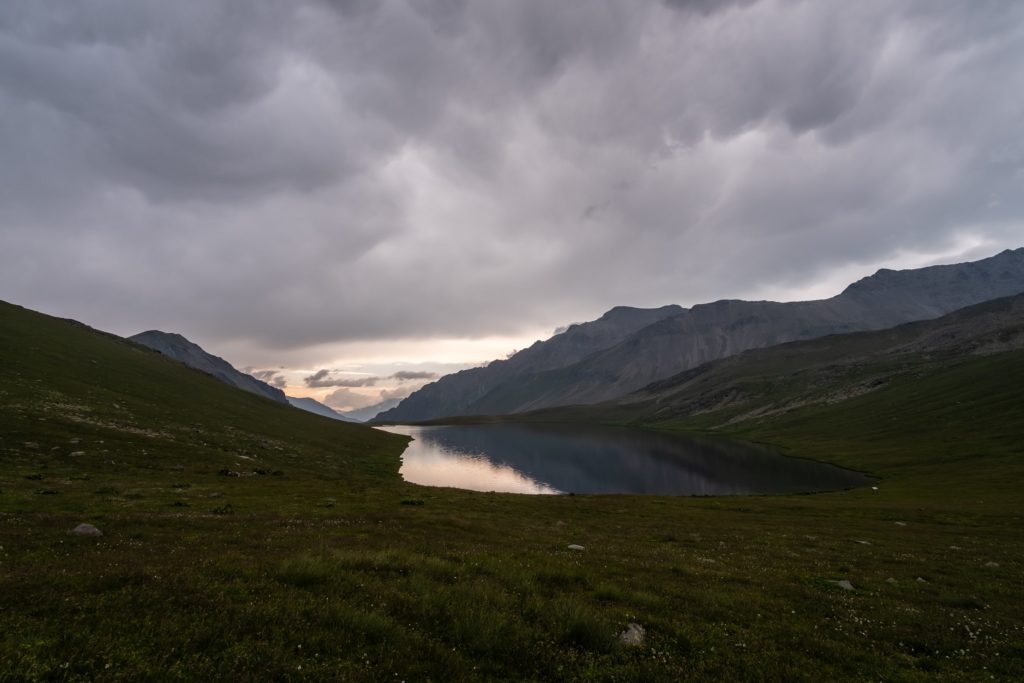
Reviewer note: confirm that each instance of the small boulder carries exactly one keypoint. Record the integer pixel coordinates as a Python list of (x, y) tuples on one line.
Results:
[(844, 584), (85, 530), (891, 581), (573, 546), (633, 636), (991, 565)]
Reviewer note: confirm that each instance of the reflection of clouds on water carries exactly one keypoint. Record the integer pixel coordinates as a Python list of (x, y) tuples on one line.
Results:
[(424, 464), (584, 459)]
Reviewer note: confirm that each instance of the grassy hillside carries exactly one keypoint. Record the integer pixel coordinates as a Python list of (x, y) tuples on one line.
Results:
[(332, 568), (81, 407)]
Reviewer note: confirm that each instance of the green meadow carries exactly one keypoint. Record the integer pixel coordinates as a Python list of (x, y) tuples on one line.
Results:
[(246, 540)]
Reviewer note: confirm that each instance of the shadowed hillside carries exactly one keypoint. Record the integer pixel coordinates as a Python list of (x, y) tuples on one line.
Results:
[(707, 332)]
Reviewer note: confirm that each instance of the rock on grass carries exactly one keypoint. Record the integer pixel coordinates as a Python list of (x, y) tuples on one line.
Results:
[(633, 636), (85, 530)]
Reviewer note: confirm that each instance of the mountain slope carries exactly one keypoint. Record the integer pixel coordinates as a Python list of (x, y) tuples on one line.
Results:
[(182, 350), (311, 405), (711, 331), (369, 413), (770, 382), (202, 571), (454, 394), (86, 406)]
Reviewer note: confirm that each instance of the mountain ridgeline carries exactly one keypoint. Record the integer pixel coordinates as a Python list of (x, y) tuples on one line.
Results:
[(629, 348), (774, 381), (311, 405), (182, 350)]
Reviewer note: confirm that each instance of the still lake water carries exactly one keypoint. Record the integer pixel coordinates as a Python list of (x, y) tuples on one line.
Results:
[(549, 459)]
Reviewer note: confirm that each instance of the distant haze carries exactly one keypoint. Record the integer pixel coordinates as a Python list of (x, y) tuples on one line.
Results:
[(375, 187)]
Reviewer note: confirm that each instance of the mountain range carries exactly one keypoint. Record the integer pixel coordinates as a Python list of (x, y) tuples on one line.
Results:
[(314, 406), (367, 414), (773, 381), (629, 348)]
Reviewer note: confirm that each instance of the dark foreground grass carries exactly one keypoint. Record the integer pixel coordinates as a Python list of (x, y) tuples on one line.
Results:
[(309, 565)]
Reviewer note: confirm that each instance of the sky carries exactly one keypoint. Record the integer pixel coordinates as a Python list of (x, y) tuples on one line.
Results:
[(375, 187)]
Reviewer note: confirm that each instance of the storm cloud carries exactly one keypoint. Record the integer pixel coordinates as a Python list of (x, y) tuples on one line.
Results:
[(278, 176), (323, 378), (272, 377), (412, 375)]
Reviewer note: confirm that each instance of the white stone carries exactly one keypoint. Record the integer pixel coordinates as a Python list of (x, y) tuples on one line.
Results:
[(633, 636)]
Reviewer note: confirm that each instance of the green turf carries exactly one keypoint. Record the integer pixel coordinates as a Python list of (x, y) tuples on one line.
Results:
[(320, 563)]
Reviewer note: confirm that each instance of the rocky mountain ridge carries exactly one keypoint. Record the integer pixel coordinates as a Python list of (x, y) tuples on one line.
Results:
[(188, 353), (679, 339)]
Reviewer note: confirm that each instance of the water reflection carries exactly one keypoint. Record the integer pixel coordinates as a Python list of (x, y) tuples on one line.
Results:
[(542, 459)]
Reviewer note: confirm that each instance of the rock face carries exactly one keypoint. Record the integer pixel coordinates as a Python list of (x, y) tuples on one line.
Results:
[(313, 406), (182, 350), (627, 349)]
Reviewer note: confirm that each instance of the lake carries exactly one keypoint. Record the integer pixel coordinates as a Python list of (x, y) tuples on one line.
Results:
[(552, 459)]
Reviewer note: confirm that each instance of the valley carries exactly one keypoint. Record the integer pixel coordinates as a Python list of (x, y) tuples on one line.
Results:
[(243, 538)]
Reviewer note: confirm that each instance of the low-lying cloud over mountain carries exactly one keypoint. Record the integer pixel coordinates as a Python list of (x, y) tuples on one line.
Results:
[(323, 378), (272, 377), (276, 177)]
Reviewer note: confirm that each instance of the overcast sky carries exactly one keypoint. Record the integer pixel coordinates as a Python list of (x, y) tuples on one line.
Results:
[(377, 185)]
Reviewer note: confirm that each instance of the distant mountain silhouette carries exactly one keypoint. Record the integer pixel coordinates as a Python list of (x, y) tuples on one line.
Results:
[(456, 394), (314, 406), (367, 414), (627, 349), (182, 350)]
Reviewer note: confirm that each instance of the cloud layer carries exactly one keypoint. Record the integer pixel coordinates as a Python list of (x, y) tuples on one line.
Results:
[(284, 175)]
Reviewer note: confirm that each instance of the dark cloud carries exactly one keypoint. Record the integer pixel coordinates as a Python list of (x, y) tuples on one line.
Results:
[(706, 7), (407, 375), (272, 377), (276, 176), (397, 392), (322, 378)]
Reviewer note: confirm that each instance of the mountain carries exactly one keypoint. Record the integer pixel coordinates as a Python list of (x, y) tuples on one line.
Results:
[(104, 399), (456, 394), (367, 414), (769, 382), (680, 339), (182, 350), (316, 407)]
